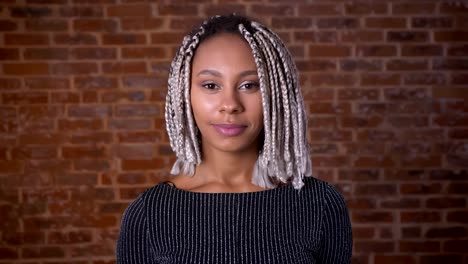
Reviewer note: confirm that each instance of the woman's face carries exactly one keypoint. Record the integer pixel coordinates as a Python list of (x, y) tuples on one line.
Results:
[(225, 94)]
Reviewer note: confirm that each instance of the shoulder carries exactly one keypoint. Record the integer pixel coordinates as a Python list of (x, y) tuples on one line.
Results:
[(137, 208), (323, 191)]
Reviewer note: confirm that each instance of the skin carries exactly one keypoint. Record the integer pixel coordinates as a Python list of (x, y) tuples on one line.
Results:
[(225, 91)]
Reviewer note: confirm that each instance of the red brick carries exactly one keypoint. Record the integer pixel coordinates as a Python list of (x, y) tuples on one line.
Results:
[(91, 137), (89, 111), (9, 54), (451, 36), (145, 164), (400, 259), (442, 258), (329, 51), (93, 53), (26, 68), (413, 8), (358, 94), (319, 9), (131, 178), (47, 83), (421, 50), (124, 67), (77, 179), (123, 39), (337, 23), (332, 79), (380, 79), (385, 22), (95, 82), (360, 121), (144, 52), (9, 84), (361, 204), (139, 137), (80, 124), (25, 98), (75, 39), (30, 11), (142, 23), (406, 65), (375, 135), (41, 252), (372, 217), (94, 25), (432, 22), (374, 246), (449, 92), (178, 9), (317, 135), (9, 253), (458, 133), (447, 232), (459, 246), (407, 36), (411, 232), (8, 25), (166, 38), (457, 216), (417, 246), (375, 189), (46, 25), (74, 68), (275, 11), (315, 36), (366, 8), (453, 8), (11, 166), (129, 124), (82, 11), (291, 22), (144, 81), (403, 203), (83, 152), (334, 161), (361, 36), (130, 10), (216, 9), (420, 217), (358, 65), (363, 232), (71, 237), (376, 50), (34, 153)]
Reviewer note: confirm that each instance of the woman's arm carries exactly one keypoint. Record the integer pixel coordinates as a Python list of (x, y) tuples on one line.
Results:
[(132, 246), (337, 241)]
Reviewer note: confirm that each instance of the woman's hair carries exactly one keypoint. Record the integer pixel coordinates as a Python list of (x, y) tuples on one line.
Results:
[(284, 155)]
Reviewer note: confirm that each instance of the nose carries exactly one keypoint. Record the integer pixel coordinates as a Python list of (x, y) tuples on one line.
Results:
[(230, 102)]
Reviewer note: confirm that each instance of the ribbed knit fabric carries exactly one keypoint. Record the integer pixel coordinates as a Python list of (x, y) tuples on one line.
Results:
[(282, 225)]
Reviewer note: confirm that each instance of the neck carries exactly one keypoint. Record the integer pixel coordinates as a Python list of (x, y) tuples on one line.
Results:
[(227, 168)]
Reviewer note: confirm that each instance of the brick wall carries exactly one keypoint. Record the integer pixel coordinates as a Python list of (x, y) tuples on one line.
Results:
[(82, 86)]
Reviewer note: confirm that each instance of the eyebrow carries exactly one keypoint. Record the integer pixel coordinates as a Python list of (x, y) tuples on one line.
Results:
[(218, 74)]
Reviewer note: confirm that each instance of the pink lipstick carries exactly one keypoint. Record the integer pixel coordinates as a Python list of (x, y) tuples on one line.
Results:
[(230, 130)]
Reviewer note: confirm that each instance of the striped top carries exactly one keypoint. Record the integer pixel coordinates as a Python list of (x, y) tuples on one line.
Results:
[(282, 225)]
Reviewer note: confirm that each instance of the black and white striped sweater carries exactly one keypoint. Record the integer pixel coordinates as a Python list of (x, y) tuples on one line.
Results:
[(282, 225)]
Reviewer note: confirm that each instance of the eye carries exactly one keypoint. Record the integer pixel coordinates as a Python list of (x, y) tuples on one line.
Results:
[(209, 86), (249, 86)]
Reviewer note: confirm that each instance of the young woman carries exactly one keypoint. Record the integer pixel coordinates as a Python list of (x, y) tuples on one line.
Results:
[(236, 121)]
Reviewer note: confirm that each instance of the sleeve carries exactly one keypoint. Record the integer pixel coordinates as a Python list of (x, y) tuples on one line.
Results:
[(132, 245), (337, 240)]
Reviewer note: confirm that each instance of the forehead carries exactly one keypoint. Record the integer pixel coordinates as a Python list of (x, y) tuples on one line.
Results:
[(224, 49)]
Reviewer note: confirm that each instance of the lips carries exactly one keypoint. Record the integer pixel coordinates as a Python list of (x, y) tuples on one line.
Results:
[(229, 130)]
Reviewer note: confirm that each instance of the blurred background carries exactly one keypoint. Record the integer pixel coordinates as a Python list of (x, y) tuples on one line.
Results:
[(82, 90)]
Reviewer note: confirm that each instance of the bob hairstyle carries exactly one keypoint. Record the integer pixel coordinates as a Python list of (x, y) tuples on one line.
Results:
[(284, 153)]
